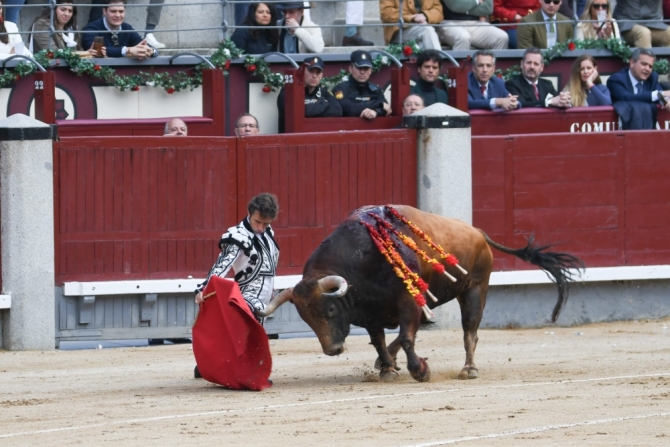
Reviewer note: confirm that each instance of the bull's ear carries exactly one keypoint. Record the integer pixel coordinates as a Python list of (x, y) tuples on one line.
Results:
[(284, 296), (332, 282)]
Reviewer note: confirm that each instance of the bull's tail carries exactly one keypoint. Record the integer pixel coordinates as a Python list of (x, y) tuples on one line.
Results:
[(555, 264)]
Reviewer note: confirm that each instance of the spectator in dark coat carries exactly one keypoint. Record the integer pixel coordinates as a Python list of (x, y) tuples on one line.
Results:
[(485, 91), (258, 40), (533, 91), (585, 86), (428, 66), (650, 33)]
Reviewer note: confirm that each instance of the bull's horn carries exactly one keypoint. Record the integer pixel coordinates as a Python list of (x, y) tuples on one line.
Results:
[(284, 296), (330, 282)]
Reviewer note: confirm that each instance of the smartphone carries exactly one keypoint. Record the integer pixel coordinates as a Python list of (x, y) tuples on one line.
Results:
[(602, 17), (98, 43)]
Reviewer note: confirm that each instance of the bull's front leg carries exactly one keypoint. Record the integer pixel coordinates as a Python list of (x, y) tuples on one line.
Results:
[(393, 349), (385, 362), (409, 324)]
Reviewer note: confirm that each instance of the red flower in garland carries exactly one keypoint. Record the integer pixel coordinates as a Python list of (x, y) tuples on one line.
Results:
[(251, 68), (226, 65), (266, 89), (97, 67), (136, 88), (170, 91), (500, 76), (571, 46), (17, 77), (407, 51), (50, 54)]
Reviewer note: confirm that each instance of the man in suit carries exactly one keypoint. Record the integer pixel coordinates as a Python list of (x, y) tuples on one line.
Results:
[(553, 23), (127, 44), (533, 91), (486, 91), (639, 84), (651, 33)]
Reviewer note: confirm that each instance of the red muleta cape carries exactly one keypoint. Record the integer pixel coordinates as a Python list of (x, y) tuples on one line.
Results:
[(231, 348)]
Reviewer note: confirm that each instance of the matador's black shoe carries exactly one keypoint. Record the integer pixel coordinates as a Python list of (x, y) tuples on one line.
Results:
[(196, 373)]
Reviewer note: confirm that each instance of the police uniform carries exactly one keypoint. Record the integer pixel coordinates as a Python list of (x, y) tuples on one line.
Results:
[(319, 103), (355, 97)]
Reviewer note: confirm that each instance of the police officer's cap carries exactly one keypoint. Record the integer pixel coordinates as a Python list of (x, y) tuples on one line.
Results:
[(314, 62), (361, 58)]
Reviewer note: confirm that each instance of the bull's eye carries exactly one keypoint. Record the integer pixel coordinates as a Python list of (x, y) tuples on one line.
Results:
[(331, 311)]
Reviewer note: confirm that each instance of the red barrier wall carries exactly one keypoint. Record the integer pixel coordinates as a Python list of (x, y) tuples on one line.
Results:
[(155, 207), (604, 197)]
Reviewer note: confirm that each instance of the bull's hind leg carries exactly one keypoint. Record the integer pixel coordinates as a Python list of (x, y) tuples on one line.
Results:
[(385, 363), (472, 304)]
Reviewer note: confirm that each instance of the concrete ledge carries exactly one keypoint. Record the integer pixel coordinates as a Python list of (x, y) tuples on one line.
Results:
[(5, 301), (627, 273)]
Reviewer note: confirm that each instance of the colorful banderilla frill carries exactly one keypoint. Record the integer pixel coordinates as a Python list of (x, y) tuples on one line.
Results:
[(415, 285)]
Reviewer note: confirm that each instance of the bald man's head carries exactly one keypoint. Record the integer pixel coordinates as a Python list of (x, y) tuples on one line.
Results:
[(175, 127)]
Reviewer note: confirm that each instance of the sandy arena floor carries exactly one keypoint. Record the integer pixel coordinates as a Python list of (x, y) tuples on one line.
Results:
[(602, 384)]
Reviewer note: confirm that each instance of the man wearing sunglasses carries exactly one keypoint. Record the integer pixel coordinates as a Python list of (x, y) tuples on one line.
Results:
[(550, 27), (651, 33), (120, 39)]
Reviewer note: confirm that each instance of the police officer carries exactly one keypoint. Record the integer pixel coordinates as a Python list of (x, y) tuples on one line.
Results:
[(357, 96), (319, 102)]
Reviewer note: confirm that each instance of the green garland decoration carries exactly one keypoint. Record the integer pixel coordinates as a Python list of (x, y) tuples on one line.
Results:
[(617, 47)]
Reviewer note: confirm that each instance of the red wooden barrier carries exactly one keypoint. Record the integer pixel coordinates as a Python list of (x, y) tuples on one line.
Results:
[(457, 88), (45, 96), (155, 207), (295, 121), (212, 122), (602, 196)]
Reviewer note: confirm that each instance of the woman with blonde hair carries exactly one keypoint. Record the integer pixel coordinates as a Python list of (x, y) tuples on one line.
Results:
[(585, 86), (603, 25)]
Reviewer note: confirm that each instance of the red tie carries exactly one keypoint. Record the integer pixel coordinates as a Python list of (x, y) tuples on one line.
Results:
[(537, 92), (483, 89)]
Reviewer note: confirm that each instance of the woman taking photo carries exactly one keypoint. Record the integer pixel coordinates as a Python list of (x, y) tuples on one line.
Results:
[(585, 86), (603, 26), (65, 24), (258, 40), (10, 39)]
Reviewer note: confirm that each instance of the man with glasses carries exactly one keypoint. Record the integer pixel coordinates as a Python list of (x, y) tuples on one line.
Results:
[(650, 33), (550, 28), (358, 96), (120, 39), (411, 104), (319, 102), (246, 125)]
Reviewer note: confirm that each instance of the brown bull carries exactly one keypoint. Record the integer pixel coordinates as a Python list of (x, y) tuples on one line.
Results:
[(348, 281)]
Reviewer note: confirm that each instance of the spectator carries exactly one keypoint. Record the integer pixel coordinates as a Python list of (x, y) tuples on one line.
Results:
[(175, 127), (642, 35), (354, 19), (599, 29), (585, 86), (153, 17), (554, 27), (299, 34), (420, 14), (319, 102), (467, 26), (636, 90), (247, 125), (259, 40), (486, 91), (530, 89), (412, 104), (358, 96), (10, 39), (65, 24), (512, 11), (117, 44), (428, 66), (12, 9)]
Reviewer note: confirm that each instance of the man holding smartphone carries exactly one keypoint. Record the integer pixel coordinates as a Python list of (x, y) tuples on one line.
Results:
[(119, 38)]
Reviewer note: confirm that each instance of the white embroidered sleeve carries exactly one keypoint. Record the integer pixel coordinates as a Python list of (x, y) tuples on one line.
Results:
[(222, 265)]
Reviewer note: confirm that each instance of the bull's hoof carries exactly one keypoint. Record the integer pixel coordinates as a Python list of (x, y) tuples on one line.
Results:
[(378, 364), (388, 376), (468, 373), (423, 374)]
